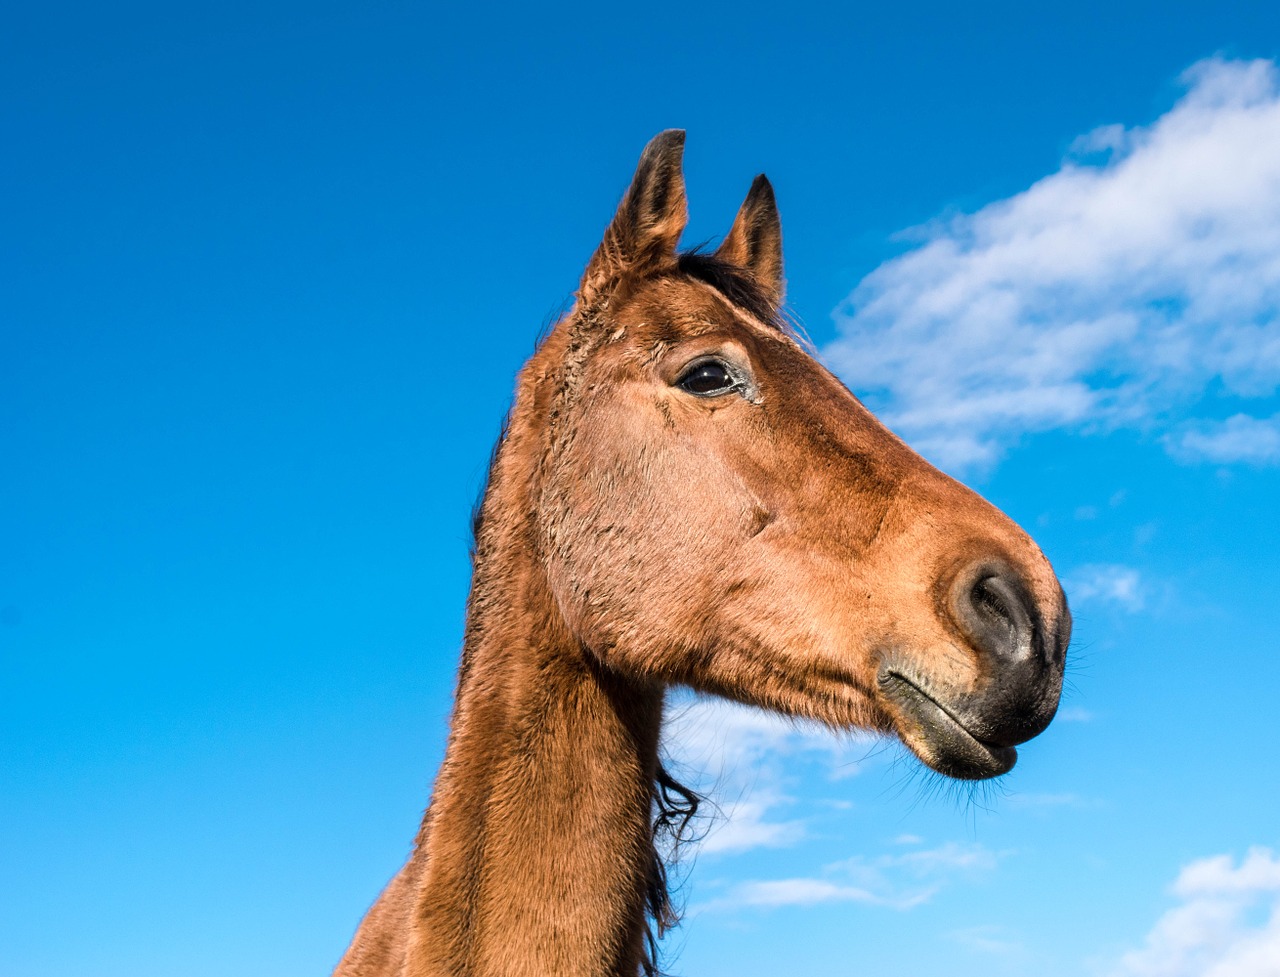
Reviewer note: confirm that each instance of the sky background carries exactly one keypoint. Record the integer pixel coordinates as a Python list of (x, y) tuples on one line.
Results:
[(267, 272)]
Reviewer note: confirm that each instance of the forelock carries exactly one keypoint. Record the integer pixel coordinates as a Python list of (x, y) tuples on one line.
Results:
[(736, 284)]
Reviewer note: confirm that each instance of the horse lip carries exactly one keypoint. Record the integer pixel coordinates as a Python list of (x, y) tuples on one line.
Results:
[(938, 737)]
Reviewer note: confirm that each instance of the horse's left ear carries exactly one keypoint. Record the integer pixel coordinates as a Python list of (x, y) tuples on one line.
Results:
[(645, 230), (755, 240)]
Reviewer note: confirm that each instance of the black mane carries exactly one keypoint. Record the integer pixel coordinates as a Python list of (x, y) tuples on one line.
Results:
[(736, 284)]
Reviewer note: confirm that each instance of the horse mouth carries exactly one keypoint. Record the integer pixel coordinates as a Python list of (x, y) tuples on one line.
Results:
[(934, 734)]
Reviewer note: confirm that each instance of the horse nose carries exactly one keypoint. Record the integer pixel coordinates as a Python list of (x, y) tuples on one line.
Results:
[(1019, 637), (996, 613)]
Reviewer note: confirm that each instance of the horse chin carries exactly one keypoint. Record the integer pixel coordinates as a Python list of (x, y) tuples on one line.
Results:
[(934, 735)]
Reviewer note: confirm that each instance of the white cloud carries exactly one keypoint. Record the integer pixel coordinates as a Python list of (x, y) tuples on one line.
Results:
[(797, 892), (928, 862), (1108, 583), (750, 823), (1252, 440), (1227, 922), (749, 762), (746, 761), (987, 939), (1049, 802), (897, 881), (1129, 288), (1073, 714)]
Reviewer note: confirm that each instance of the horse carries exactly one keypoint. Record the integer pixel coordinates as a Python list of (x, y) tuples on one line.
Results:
[(683, 495)]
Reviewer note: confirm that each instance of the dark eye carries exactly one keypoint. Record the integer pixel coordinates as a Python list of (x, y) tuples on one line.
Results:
[(707, 379)]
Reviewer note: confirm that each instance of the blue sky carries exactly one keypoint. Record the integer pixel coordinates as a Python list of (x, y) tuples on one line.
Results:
[(266, 274)]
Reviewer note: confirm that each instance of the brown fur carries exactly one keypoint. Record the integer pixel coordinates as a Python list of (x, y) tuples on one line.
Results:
[(775, 545)]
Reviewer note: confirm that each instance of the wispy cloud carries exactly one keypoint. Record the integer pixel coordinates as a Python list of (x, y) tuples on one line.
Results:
[(1241, 438), (991, 940), (797, 892), (1131, 287), (1073, 714), (747, 761), (897, 881), (1108, 583), (1227, 922), (1049, 802), (925, 862)]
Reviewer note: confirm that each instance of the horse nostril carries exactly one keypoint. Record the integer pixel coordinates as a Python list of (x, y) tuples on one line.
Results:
[(1015, 691), (991, 604), (996, 612)]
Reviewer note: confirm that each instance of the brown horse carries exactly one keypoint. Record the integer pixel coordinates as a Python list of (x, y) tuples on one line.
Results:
[(683, 496)]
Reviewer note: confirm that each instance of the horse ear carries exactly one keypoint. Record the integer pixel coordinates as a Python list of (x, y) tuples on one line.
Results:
[(755, 240), (649, 221)]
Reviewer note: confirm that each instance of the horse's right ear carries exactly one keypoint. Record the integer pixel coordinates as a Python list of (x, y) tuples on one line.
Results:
[(755, 240), (649, 221)]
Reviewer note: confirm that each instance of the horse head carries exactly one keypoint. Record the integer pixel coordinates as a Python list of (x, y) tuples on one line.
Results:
[(715, 509)]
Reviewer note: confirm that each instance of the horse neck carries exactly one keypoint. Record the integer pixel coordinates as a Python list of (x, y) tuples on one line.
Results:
[(537, 843)]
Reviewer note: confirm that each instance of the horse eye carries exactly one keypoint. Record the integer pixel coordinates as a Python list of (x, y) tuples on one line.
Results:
[(707, 379)]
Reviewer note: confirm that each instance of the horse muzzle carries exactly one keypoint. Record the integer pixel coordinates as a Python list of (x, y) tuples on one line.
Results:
[(1017, 646)]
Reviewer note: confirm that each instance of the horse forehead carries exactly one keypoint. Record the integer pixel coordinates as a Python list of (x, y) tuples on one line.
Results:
[(671, 309)]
